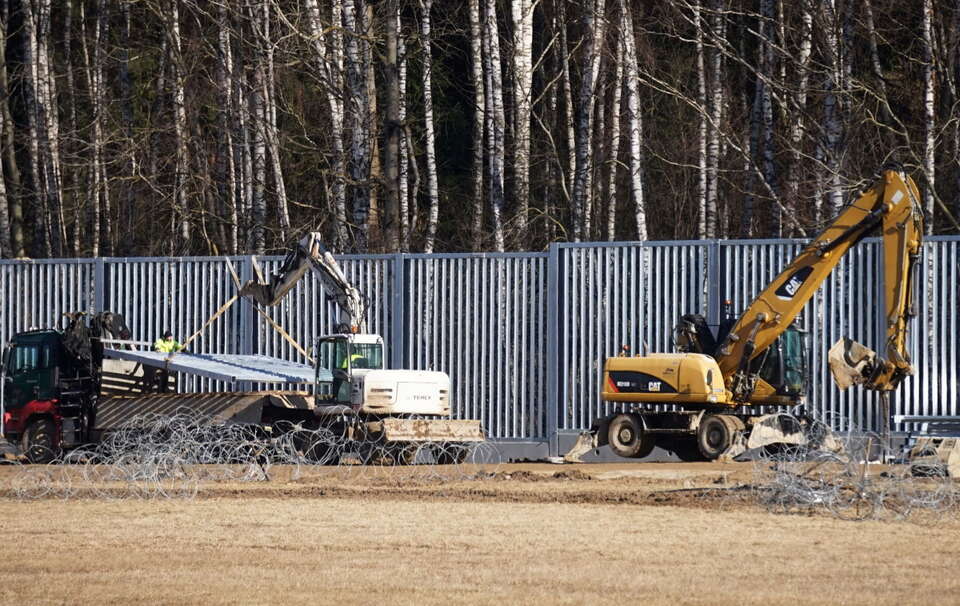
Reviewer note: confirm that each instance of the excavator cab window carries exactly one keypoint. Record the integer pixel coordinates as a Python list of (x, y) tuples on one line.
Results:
[(784, 364), (333, 381)]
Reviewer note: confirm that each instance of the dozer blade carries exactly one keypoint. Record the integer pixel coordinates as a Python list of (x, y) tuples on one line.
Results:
[(935, 457), (431, 430), (851, 363)]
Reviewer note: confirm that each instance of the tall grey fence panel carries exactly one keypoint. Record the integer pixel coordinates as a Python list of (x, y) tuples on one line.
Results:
[(935, 335), (619, 294), (483, 320), (36, 293)]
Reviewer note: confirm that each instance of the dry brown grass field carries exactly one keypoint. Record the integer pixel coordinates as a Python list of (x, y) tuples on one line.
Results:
[(647, 533)]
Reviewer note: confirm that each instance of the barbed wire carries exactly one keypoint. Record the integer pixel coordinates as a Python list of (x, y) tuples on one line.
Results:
[(851, 475), (171, 456)]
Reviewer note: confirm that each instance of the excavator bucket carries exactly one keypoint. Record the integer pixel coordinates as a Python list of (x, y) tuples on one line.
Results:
[(850, 362)]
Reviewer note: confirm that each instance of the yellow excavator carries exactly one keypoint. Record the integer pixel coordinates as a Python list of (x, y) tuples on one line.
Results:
[(759, 357)]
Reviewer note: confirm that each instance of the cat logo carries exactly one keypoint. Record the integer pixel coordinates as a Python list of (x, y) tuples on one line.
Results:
[(790, 288), (653, 386)]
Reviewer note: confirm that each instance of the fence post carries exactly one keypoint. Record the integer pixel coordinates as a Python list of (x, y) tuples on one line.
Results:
[(99, 285), (398, 328), (714, 288), (552, 408), (247, 317)]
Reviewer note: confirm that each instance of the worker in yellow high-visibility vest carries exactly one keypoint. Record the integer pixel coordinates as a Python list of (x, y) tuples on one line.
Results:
[(166, 343)]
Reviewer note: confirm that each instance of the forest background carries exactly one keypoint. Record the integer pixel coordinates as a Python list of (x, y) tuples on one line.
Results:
[(203, 127)]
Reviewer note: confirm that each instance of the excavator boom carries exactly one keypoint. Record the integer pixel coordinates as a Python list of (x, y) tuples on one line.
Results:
[(892, 204), (311, 254)]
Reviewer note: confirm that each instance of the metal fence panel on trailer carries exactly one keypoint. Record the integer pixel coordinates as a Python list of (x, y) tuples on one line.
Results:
[(180, 295)]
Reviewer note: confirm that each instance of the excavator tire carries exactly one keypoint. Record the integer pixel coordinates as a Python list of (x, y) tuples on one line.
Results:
[(715, 435), (38, 443), (627, 437)]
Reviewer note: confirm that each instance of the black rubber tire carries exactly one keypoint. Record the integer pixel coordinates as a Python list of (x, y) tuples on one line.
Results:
[(627, 438), (714, 436), (38, 442)]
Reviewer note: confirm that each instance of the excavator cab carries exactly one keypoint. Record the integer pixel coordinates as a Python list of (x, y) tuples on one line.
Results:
[(340, 359), (784, 364)]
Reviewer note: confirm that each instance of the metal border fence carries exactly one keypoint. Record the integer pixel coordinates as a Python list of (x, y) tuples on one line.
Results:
[(523, 335)]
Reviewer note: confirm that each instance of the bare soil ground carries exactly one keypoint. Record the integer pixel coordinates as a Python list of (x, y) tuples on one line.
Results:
[(661, 533)]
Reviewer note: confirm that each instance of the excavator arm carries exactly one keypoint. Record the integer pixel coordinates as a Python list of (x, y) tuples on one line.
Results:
[(311, 254), (892, 204)]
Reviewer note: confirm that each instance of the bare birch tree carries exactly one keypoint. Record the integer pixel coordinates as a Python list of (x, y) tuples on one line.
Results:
[(358, 117), (586, 101), (929, 118), (522, 14), (392, 126), (479, 102), (181, 224), (635, 120), (495, 122), (433, 192), (702, 118)]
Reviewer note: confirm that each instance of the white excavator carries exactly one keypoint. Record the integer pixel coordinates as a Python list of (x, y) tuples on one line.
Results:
[(356, 395)]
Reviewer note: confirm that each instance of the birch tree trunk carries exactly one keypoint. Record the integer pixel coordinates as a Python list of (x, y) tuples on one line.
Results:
[(613, 158), (829, 148), (495, 122), (392, 125), (126, 211), (432, 185), (797, 127), (359, 118), (226, 162), (329, 62), (767, 34), (929, 122), (635, 120), (583, 137), (479, 102), (181, 227), (522, 13), (568, 176), (716, 86), (258, 157), (11, 169), (89, 69), (244, 154), (885, 113), (698, 25), (49, 128), (34, 127), (6, 250), (403, 172), (271, 135)]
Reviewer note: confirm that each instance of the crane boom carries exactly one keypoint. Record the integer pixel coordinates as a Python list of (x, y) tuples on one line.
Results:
[(311, 254), (893, 203)]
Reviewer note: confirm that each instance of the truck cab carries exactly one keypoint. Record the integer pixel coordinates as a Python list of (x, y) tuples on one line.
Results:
[(45, 394)]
